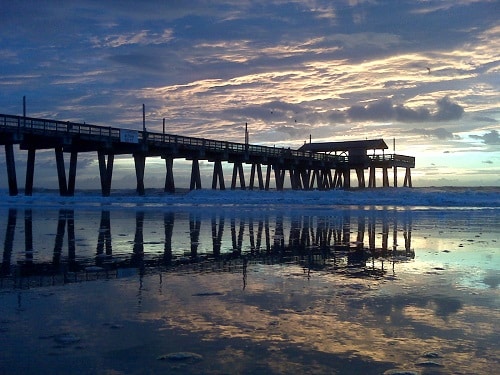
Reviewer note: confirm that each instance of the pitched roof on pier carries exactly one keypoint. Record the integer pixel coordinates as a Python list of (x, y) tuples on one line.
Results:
[(369, 144)]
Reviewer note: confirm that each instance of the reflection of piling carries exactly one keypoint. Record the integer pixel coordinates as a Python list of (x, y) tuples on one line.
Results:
[(59, 240), (138, 249), (361, 231), (319, 242), (168, 224), (28, 236), (217, 232), (407, 235), (279, 236), (194, 234), (237, 235), (104, 237), (9, 241), (251, 235), (70, 217)]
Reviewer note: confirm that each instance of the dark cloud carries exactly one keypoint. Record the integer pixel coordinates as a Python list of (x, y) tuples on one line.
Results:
[(140, 61), (269, 112), (385, 110), (447, 110), (491, 138), (292, 131), (485, 119), (439, 133), (380, 110)]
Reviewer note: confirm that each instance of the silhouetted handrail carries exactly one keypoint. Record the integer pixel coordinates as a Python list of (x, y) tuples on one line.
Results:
[(30, 125)]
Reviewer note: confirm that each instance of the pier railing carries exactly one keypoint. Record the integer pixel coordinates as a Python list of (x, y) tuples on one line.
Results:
[(53, 127), (401, 160), (29, 125)]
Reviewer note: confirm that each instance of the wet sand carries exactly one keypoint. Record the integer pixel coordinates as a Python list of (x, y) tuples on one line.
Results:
[(428, 304)]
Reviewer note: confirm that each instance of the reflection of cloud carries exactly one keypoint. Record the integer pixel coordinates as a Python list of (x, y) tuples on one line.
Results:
[(492, 279), (337, 317)]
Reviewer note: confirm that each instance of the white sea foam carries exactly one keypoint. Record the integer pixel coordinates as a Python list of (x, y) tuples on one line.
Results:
[(383, 197)]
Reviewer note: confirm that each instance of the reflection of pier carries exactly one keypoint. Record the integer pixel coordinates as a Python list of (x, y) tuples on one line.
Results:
[(333, 243)]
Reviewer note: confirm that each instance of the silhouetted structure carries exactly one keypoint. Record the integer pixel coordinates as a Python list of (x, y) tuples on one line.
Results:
[(309, 167)]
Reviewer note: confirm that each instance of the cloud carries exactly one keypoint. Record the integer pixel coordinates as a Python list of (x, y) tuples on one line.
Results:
[(447, 110), (141, 62), (491, 138), (143, 37), (290, 130), (485, 119), (439, 133), (385, 110)]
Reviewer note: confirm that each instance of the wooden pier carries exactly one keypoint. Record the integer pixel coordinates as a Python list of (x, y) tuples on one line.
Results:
[(309, 167)]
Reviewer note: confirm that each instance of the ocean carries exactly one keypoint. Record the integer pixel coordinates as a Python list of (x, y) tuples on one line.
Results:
[(365, 281)]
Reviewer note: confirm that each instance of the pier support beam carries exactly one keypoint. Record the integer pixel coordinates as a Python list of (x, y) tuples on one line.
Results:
[(256, 167), (169, 177), (106, 172), (218, 176), (305, 176), (407, 181), (395, 176), (315, 178), (140, 166), (238, 170), (72, 173), (279, 176), (195, 176), (360, 172), (347, 178), (11, 169), (268, 177), (371, 180), (338, 180), (30, 172), (385, 177), (294, 179), (61, 172)]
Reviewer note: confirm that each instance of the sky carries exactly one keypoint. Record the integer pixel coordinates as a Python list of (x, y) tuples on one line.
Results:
[(422, 72)]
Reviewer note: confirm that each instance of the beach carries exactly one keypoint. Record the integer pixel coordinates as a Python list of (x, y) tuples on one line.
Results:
[(381, 281)]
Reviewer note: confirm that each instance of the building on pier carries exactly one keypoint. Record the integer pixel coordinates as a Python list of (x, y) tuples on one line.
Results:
[(360, 156)]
